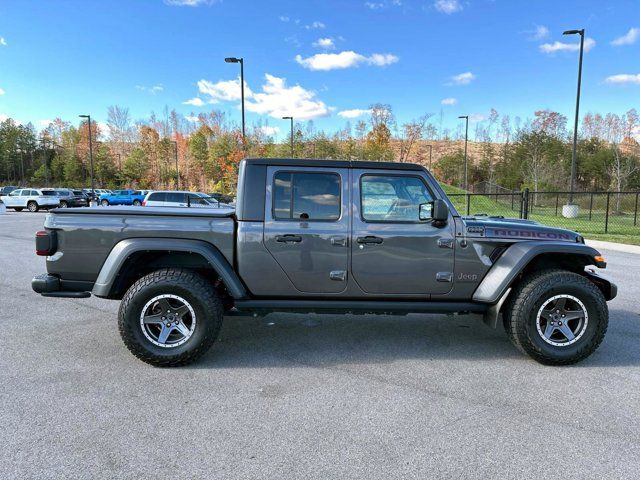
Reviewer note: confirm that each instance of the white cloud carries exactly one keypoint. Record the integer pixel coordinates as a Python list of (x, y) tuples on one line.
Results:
[(462, 79), (554, 47), (315, 25), (195, 101), (3, 117), (283, 18), (346, 59), (2, 92), (374, 5), (540, 33), (45, 123), (227, 90), (449, 101), (447, 6), (324, 43), (3, 42), (477, 117), (279, 100), (152, 90), (267, 130), (623, 79), (189, 3), (192, 118), (628, 38), (354, 113)]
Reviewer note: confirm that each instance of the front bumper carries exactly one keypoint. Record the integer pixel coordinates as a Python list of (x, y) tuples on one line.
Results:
[(50, 286), (608, 288)]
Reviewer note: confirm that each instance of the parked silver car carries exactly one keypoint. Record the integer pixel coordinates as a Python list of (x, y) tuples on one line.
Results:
[(33, 199), (177, 198)]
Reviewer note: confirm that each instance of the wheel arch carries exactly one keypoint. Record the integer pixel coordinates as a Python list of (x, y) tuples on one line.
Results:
[(131, 259), (526, 257)]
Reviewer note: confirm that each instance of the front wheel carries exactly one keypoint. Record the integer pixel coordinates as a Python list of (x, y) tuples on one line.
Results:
[(32, 206), (137, 203), (104, 203), (170, 317), (18, 209), (557, 317), (63, 204)]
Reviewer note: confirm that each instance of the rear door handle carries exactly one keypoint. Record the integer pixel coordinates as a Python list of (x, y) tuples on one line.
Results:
[(369, 239), (339, 241), (288, 238)]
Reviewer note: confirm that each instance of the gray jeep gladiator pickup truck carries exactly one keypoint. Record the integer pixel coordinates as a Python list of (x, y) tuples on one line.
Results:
[(325, 236)]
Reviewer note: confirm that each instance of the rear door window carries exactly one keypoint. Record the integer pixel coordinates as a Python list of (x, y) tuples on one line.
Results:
[(306, 196), (174, 197)]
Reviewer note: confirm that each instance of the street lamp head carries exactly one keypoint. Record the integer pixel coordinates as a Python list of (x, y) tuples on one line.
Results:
[(287, 118), (464, 116), (232, 60), (84, 116), (573, 32)]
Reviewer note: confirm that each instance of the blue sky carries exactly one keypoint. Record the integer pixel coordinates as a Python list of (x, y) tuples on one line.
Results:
[(315, 59)]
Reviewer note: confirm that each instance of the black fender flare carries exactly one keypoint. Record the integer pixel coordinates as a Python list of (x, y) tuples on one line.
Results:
[(516, 258), (123, 250)]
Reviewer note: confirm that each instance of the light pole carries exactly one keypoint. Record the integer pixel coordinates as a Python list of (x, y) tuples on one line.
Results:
[(175, 150), (93, 193), (290, 118), (575, 125), (430, 151), (241, 62), (466, 138)]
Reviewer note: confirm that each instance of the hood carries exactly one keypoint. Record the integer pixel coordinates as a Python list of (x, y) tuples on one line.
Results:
[(516, 229)]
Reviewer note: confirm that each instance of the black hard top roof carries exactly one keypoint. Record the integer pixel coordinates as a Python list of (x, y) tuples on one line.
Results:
[(311, 162)]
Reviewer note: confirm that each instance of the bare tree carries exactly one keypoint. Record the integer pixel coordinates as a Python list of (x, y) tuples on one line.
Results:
[(412, 133), (121, 132)]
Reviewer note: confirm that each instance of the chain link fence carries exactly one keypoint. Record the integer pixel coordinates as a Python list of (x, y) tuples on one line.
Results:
[(614, 213)]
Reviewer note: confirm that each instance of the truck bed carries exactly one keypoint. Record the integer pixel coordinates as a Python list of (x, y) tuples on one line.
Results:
[(85, 236)]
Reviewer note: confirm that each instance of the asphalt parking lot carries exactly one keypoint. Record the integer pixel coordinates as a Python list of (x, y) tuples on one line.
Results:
[(307, 396)]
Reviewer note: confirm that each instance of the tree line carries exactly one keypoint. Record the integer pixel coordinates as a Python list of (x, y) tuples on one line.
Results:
[(167, 150)]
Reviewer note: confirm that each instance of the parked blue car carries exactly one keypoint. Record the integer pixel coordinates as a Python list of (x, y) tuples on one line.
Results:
[(122, 197)]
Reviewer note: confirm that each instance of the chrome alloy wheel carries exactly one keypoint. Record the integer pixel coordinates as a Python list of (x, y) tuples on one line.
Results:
[(562, 320), (168, 321)]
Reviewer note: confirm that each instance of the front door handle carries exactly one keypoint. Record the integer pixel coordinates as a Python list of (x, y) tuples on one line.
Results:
[(369, 239), (288, 238)]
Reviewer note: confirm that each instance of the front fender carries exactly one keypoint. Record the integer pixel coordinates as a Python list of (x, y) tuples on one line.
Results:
[(124, 249), (516, 258)]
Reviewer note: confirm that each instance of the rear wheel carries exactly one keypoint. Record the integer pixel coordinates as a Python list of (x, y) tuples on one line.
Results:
[(170, 317), (104, 203), (32, 206), (63, 204), (557, 317), (18, 209)]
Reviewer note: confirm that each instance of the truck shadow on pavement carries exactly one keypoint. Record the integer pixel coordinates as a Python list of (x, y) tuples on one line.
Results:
[(287, 340)]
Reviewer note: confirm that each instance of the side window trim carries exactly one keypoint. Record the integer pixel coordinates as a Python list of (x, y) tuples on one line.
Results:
[(291, 199), (371, 174)]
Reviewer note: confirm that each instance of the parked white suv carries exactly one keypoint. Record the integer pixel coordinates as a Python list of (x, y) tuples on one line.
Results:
[(32, 199), (176, 198)]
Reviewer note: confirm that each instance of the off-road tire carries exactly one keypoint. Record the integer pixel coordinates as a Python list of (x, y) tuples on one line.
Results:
[(137, 203), (194, 288), (104, 203), (519, 316), (33, 206)]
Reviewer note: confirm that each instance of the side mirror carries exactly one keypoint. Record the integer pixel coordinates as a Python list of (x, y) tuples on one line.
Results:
[(436, 211)]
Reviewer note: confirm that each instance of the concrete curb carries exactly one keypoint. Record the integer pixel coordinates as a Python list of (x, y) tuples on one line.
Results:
[(618, 247)]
